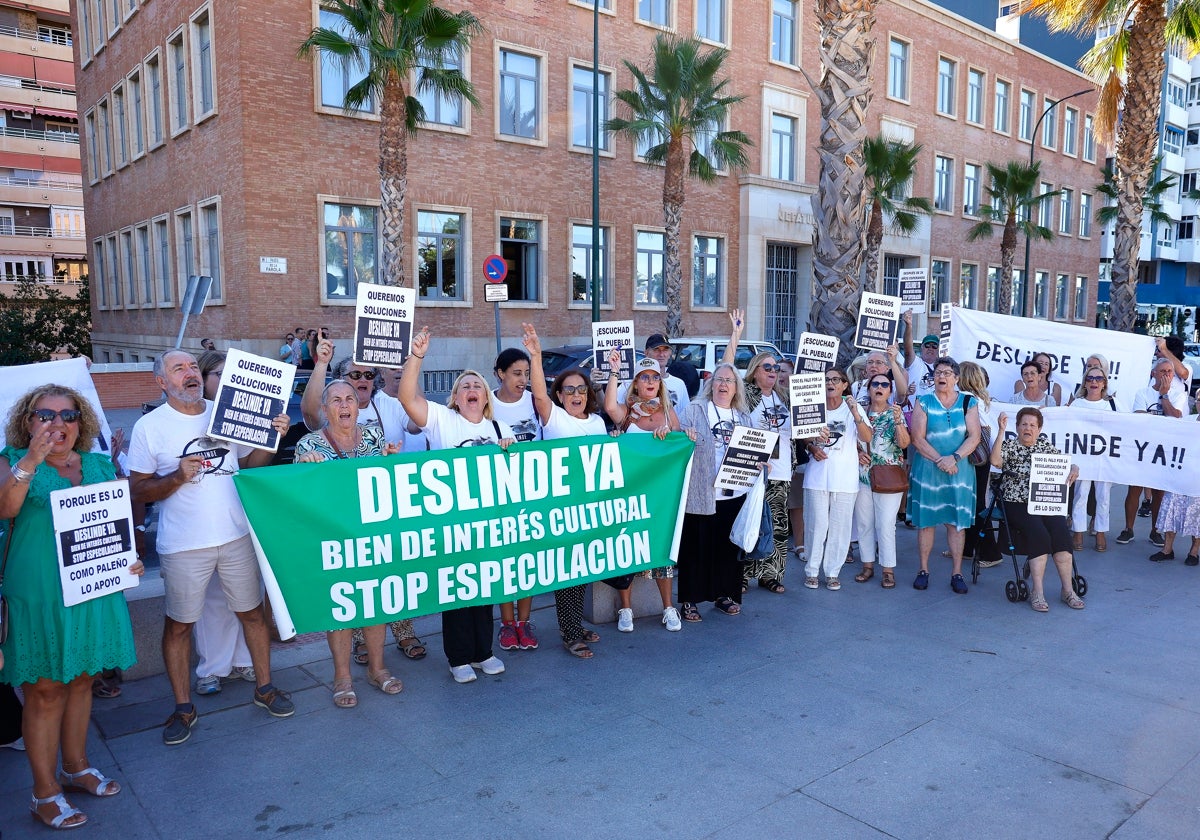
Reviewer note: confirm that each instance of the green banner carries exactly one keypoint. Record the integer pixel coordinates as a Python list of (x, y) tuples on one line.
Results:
[(356, 542)]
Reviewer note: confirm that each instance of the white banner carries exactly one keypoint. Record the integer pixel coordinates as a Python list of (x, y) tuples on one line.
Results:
[(18, 380), (1000, 344)]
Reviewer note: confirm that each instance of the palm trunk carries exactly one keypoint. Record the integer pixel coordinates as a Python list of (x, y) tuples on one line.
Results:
[(1008, 250), (874, 243), (673, 196), (393, 178), (844, 91), (1136, 145)]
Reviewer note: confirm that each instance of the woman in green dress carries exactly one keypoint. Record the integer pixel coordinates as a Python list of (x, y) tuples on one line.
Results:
[(52, 651)]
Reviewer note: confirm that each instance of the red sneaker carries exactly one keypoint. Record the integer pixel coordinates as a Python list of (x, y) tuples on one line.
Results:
[(508, 636), (525, 636)]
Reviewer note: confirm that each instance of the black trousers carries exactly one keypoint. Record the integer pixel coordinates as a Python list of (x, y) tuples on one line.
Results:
[(467, 634)]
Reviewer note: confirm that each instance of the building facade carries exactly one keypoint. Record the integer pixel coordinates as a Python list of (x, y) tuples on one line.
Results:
[(212, 149)]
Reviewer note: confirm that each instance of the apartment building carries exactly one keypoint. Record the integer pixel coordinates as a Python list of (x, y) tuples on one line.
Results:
[(42, 235), (212, 149)]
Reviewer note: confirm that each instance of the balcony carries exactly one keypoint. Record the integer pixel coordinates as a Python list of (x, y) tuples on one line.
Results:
[(48, 42), (27, 191), (29, 96), (22, 239), (1175, 115), (1172, 162), (38, 138)]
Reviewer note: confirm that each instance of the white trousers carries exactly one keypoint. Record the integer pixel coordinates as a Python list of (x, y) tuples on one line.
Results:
[(828, 518), (1079, 515), (875, 523), (220, 643)]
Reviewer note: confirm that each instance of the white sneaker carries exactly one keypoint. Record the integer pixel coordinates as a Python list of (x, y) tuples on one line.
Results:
[(490, 666), (208, 685), (18, 745), (462, 673), (242, 672), (671, 619), (625, 620)]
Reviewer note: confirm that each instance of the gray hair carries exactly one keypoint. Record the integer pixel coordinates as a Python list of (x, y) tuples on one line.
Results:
[(739, 396), (160, 361)]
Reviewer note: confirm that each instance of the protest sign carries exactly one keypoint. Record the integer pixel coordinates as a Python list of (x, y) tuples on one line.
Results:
[(944, 331), (913, 285), (748, 449), (1000, 344), (608, 336), (816, 353), (253, 391), (878, 321), (383, 319), (807, 391), (371, 540), (1048, 484), (18, 380), (93, 528)]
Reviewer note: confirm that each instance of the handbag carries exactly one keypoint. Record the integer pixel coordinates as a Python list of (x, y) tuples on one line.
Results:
[(753, 529), (982, 453), (888, 478)]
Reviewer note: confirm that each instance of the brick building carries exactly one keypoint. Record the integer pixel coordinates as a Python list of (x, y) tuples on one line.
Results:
[(210, 146)]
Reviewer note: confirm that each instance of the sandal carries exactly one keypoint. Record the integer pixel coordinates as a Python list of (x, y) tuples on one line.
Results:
[(745, 587), (104, 689), (385, 682), (1038, 602), (591, 636), (66, 812), (360, 652), (889, 579), (1077, 544), (343, 694), (772, 585), (868, 572), (1072, 600), (728, 606), (690, 613), (103, 786), (1101, 542), (413, 649), (578, 648)]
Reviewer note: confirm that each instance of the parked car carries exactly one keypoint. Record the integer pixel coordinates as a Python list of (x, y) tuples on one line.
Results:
[(704, 353), (555, 360), (1191, 358)]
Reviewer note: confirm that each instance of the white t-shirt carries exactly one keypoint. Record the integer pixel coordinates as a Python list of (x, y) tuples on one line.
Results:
[(563, 425), (920, 374), (386, 411), (675, 387), (1093, 405), (521, 416), (838, 473), (447, 429), (1147, 400), (204, 514), (774, 415)]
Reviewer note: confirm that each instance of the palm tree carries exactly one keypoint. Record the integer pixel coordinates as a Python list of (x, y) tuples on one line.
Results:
[(890, 166), (1108, 212), (387, 41), (1013, 190), (1129, 66), (678, 103), (847, 50)]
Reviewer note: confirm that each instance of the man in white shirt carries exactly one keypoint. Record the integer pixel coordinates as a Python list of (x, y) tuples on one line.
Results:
[(920, 371), (202, 530)]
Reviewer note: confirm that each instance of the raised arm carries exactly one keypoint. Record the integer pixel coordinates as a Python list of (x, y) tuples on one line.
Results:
[(899, 374), (909, 355), (612, 406), (414, 402), (997, 456), (537, 376), (310, 403), (737, 321), (1181, 370)]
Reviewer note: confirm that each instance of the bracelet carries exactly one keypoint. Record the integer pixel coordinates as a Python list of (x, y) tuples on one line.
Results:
[(20, 475), (418, 355)]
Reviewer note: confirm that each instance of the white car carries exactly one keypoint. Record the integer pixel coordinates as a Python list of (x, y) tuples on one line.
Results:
[(704, 353)]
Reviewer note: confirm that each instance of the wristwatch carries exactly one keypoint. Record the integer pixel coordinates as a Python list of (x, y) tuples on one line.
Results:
[(140, 528), (957, 457)]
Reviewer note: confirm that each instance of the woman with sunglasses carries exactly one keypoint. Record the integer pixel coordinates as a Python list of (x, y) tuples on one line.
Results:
[(1095, 397), (53, 652), (885, 436), (769, 410)]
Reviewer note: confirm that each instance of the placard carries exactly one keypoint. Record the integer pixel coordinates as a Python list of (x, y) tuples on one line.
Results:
[(944, 331), (914, 289), (816, 353), (93, 534), (608, 336), (807, 391), (748, 449), (254, 390), (878, 321), (383, 319), (1048, 484)]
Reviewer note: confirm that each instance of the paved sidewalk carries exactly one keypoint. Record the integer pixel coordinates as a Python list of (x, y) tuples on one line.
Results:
[(859, 713)]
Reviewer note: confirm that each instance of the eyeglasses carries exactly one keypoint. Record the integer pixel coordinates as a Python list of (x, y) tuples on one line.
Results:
[(881, 384), (650, 377), (720, 380), (572, 390), (1093, 379), (833, 380), (770, 368), (47, 415), (945, 372), (356, 375)]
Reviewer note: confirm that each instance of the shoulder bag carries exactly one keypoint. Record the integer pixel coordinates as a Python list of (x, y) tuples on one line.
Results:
[(888, 478)]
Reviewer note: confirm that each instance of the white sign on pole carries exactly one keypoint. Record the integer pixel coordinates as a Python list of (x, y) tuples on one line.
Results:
[(914, 288), (383, 320), (1048, 484), (944, 331), (878, 321), (608, 336), (816, 353), (495, 292), (253, 391), (807, 391), (93, 529)]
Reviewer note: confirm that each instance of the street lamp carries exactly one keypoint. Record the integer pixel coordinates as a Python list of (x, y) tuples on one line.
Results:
[(595, 284), (1051, 104)]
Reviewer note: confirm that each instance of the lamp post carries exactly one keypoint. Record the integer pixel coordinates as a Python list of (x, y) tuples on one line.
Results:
[(1033, 139), (596, 261)]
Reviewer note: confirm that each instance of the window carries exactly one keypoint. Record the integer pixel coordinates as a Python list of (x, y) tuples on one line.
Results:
[(1176, 94), (781, 293), (119, 124), (582, 104), (710, 20), (129, 268), (648, 279), (112, 270), (972, 187), (975, 79), (1187, 227), (708, 267), (137, 109), (85, 34), (939, 283), (1070, 129), (144, 258), (657, 12), (1060, 297), (351, 249), (204, 90), (161, 243), (520, 244), (104, 126), (96, 267), (210, 247), (49, 34), (1044, 208), (968, 275), (943, 183), (1193, 136), (1049, 123), (338, 77), (1166, 234), (891, 274), (1081, 298), (1172, 140), (1041, 291), (1025, 116), (443, 109), (177, 82), (1089, 138), (1065, 200), (185, 247), (898, 52), (98, 23), (783, 31), (1000, 117), (1193, 95), (704, 144), (781, 162), (439, 255), (93, 142), (581, 265), (993, 289), (1018, 298), (519, 81), (947, 84), (1188, 184), (154, 111), (114, 21), (1085, 214)]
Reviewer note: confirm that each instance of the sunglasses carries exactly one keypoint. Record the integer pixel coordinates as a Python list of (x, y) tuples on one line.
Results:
[(770, 368), (572, 390), (47, 415), (356, 375), (881, 384), (1093, 379)]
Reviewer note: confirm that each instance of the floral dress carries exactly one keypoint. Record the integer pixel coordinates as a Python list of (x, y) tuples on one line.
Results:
[(883, 448)]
